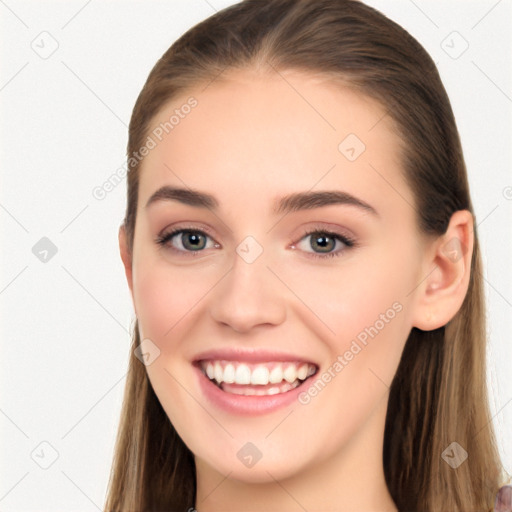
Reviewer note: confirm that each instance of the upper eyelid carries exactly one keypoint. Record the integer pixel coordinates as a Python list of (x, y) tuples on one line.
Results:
[(313, 227), (177, 229)]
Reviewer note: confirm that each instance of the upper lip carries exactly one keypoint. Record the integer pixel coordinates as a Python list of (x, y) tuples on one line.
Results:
[(251, 356)]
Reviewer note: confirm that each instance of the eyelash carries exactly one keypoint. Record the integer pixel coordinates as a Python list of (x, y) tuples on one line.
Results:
[(349, 242)]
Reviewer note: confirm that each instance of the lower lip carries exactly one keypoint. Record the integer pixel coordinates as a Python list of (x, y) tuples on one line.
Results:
[(246, 405)]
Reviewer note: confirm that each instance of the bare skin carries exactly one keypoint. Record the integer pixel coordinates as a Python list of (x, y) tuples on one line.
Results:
[(251, 140)]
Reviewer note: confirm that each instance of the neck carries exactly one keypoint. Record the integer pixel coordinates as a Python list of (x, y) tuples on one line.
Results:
[(350, 480)]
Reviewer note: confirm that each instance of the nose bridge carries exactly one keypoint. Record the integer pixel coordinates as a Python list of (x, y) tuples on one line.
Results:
[(249, 294)]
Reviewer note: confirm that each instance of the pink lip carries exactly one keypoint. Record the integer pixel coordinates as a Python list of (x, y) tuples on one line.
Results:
[(250, 356), (245, 405)]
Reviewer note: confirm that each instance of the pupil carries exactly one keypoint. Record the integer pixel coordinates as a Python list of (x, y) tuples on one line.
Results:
[(324, 242)]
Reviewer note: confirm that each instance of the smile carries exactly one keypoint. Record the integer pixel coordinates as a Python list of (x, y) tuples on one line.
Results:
[(256, 379)]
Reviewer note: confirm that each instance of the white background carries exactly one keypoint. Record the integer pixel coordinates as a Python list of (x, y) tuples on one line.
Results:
[(65, 323)]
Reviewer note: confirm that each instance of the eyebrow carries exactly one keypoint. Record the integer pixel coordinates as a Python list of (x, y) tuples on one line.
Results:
[(185, 196), (290, 203)]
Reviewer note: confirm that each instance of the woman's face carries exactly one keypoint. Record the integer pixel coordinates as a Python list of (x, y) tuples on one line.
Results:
[(246, 296)]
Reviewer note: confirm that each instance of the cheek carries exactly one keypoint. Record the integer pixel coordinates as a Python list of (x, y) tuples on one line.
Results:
[(157, 306), (345, 299), (165, 296)]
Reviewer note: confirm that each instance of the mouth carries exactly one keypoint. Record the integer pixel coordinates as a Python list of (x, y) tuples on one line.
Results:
[(270, 378)]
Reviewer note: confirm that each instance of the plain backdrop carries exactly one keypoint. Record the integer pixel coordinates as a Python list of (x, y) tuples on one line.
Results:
[(70, 74)]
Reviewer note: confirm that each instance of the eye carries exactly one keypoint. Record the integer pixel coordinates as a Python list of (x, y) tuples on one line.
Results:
[(323, 243), (186, 240)]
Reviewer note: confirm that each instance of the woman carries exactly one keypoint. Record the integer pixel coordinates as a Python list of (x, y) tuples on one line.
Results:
[(302, 254)]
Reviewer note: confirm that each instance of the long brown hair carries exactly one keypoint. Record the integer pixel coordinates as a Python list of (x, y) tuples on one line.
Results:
[(439, 393)]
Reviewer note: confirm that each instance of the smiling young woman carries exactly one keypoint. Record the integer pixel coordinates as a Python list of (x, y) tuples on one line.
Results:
[(302, 255)]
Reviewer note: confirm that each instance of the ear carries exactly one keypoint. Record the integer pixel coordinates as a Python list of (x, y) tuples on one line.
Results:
[(441, 294), (126, 257)]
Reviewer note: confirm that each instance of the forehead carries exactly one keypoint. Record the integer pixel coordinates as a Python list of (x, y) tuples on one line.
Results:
[(250, 136)]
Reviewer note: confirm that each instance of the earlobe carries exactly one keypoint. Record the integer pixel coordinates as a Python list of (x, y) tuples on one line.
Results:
[(125, 256), (442, 293)]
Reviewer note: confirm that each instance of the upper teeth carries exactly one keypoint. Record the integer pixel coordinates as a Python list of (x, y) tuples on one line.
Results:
[(232, 372)]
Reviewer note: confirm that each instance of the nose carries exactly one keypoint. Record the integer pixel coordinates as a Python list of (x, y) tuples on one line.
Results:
[(248, 296)]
